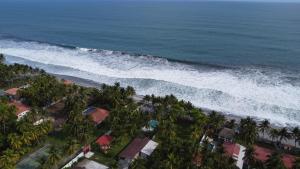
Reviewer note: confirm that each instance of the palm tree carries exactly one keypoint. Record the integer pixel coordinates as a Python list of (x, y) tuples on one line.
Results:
[(14, 141), (9, 159), (296, 164), (249, 157), (248, 131), (264, 126), (274, 134), (283, 134), (54, 156), (274, 161), (296, 135), (71, 147)]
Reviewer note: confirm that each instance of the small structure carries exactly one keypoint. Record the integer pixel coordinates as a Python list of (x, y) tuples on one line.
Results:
[(104, 142), (148, 149), (98, 115), (89, 164), (12, 93), (152, 125), (22, 109), (138, 147), (236, 151), (68, 82), (227, 135), (262, 154)]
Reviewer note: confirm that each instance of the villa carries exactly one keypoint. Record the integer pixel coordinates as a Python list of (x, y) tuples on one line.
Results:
[(12, 93), (22, 109), (98, 115), (236, 151)]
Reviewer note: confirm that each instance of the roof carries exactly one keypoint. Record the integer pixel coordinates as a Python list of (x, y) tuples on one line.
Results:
[(232, 149), (153, 123), (20, 107), (97, 114), (262, 154), (149, 148), (12, 91), (89, 164), (227, 133), (134, 147), (104, 140), (197, 159), (68, 82)]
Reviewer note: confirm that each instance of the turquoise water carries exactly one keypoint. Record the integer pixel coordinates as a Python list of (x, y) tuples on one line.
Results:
[(240, 58)]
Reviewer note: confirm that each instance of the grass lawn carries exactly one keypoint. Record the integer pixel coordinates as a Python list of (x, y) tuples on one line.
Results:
[(118, 145), (104, 159), (110, 158)]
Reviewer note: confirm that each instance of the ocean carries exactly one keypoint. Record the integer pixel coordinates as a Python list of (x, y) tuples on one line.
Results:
[(240, 58)]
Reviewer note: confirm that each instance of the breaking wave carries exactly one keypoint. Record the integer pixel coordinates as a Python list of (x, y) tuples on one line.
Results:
[(243, 91)]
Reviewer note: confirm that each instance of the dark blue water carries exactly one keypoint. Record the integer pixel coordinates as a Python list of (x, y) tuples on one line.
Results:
[(238, 57)]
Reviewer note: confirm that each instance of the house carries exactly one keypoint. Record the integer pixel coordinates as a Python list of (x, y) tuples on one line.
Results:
[(226, 134), (12, 93), (22, 109), (148, 149), (89, 164), (98, 115), (139, 147), (236, 151), (262, 154), (152, 125), (104, 142), (68, 82)]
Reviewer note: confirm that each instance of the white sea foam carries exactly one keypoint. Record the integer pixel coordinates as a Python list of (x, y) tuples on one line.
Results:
[(240, 92)]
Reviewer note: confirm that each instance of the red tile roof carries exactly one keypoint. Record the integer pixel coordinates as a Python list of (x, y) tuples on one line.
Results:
[(20, 107), (12, 91), (68, 82), (104, 140), (98, 115), (262, 154), (134, 148), (231, 149)]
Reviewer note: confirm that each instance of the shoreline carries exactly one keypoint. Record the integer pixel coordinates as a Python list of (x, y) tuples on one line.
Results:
[(90, 83)]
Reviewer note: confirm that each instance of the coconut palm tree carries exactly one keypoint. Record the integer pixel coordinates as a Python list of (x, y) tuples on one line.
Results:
[(54, 156), (71, 147), (274, 161), (248, 131), (273, 133), (249, 157), (264, 126), (14, 141), (283, 134), (296, 164), (296, 134)]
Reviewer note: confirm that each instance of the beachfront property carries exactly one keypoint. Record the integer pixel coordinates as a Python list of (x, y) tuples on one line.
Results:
[(139, 147), (104, 142), (235, 151), (262, 154), (22, 109), (12, 93), (67, 82), (98, 115), (89, 164)]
